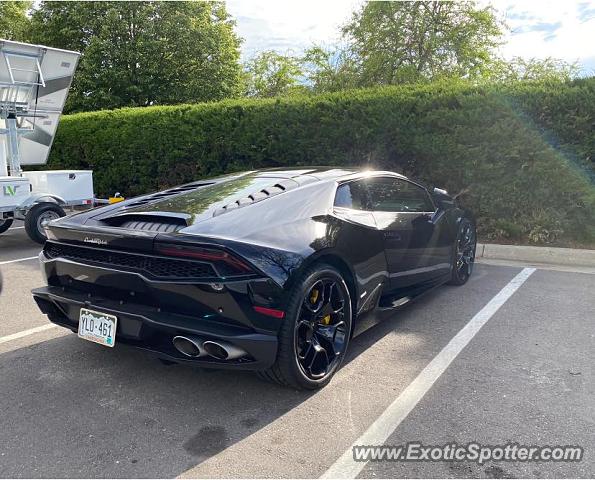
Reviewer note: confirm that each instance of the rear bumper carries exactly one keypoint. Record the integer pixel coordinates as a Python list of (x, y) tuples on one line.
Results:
[(149, 329)]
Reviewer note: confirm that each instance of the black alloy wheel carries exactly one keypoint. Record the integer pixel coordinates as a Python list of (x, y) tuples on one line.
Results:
[(464, 255), (316, 330), (321, 332)]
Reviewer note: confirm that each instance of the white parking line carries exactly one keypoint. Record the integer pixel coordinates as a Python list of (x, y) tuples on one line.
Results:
[(6, 262), (26, 333), (15, 228), (386, 424)]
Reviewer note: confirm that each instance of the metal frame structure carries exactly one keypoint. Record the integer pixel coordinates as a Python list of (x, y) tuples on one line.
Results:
[(34, 84), (12, 105)]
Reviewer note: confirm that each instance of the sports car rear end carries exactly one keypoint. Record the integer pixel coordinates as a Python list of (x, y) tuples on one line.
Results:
[(185, 296), (157, 295)]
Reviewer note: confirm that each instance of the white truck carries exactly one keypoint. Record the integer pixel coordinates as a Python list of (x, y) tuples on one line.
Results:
[(34, 84)]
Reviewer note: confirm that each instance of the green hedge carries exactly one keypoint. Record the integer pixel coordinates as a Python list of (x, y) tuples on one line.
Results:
[(520, 156)]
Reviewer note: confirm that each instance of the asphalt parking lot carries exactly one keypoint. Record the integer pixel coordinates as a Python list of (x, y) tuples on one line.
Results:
[(71, 408)]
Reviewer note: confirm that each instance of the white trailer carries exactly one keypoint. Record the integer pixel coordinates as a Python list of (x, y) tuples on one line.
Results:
[(34, 84)]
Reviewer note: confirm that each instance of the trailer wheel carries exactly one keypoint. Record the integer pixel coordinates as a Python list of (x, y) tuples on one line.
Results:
[(38, 217), (5, 224)]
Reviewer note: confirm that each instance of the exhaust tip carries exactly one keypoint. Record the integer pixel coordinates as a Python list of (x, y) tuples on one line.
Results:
[(223, 350), (190, 347), (216, 350)]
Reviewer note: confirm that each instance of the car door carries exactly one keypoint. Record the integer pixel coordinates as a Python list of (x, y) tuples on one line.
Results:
[(413, 230)]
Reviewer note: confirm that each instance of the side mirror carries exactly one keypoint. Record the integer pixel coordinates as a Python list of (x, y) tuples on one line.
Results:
[(442, 198)]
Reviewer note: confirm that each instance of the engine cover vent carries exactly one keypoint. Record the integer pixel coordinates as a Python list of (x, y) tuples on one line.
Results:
[(161, 222), (263, 194)]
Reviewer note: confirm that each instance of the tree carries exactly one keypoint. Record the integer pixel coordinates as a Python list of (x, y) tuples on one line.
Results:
[(271, 74), (144, 53), (396, 42), (524, 69), (14, 23), (329, 70)]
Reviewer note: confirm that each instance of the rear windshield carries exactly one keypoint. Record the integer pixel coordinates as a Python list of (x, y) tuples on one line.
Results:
[(213, 196)]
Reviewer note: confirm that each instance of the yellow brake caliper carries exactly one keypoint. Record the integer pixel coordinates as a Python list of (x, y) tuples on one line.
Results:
[(313, 299)]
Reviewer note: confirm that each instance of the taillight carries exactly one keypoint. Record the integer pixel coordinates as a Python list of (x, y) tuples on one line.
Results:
[(226, 263)]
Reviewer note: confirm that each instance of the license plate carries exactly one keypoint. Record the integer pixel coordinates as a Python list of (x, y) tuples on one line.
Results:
[(97, 327)]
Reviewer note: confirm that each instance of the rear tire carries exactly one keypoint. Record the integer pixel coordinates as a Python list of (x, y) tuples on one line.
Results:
[(38, 216), (5, 224), (463, 253), (315, 333)]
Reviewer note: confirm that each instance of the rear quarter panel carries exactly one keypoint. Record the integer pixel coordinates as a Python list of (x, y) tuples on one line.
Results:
[(284, 235)]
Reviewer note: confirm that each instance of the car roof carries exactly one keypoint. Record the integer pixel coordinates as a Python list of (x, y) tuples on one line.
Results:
[(322, 172), (317, 171)]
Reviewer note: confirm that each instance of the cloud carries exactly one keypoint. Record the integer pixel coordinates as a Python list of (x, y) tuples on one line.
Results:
[(588, 66), (524, 16), (289, 25), (586, 11), (563, 30), (538, 29)]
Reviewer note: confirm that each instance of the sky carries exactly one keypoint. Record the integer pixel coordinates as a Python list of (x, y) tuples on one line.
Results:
[(561, 29)]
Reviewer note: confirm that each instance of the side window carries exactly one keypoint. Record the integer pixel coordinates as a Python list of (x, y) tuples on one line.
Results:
[(395, 195), (351, 195)]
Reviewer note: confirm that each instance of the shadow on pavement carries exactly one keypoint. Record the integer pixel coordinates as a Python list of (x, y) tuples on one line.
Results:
[(74, 409)]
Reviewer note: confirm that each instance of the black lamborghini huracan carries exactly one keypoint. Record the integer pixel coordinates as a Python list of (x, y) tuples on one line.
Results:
[(269, 270)]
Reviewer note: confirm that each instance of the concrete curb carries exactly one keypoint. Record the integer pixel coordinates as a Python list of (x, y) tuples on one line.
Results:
[(547, 255)]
